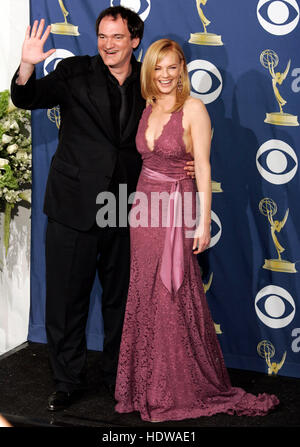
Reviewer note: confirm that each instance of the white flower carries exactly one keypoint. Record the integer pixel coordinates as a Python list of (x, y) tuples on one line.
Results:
[(5, 125), (26, 195), (28, 128), (14, 126), (11, 106), (6, 139), (21, 155), (3, 162), (12, 148), (12, 196)]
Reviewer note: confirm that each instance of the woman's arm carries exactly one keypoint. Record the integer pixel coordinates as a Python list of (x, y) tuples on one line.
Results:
[(200, 127)]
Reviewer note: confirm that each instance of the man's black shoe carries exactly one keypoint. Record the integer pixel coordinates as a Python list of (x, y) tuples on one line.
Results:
[(59, 400)]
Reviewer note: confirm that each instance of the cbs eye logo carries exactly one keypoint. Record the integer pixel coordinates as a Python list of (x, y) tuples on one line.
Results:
[(278, 17), (276, 162), (206, 80), (275, 307), (216, 229), (52, 61), (141, 7)]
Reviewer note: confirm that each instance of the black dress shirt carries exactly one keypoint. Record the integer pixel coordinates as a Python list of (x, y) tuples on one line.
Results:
[(121, 100)]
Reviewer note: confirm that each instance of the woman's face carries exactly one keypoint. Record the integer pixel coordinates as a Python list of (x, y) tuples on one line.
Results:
[(167, 72)]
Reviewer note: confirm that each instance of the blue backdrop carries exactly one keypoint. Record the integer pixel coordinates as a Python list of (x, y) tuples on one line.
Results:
[(244, 79)]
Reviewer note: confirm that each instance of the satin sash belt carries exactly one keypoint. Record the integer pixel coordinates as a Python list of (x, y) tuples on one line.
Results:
[(172, 263)]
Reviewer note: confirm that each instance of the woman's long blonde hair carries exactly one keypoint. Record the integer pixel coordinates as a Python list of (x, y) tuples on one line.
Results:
[(153, 56)]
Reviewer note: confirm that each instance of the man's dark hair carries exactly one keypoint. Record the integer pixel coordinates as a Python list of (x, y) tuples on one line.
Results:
[(134, 22)]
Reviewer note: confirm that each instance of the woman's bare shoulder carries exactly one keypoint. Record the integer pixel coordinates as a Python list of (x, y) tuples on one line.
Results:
[(193, 108), (194, 105)]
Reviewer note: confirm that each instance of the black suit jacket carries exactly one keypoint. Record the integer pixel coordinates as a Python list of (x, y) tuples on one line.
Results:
[(88, 147)]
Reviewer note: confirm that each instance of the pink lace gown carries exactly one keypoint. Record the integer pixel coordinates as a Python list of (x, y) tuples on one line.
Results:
[(171, 366)]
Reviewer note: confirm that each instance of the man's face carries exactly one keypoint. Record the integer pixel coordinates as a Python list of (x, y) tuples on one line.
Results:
[(115, 45)]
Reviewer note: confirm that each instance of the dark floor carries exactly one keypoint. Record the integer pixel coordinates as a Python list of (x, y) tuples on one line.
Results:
[(25, 383)]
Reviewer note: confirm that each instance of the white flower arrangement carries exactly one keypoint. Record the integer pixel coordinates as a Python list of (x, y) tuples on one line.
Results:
[(15, 159)]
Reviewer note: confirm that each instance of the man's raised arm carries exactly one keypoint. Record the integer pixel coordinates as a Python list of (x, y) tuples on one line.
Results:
[(33, 50)]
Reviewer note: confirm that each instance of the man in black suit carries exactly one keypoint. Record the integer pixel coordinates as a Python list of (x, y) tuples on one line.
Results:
[(100, 105)]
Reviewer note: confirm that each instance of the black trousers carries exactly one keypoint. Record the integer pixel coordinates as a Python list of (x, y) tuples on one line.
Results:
[(72, 260)]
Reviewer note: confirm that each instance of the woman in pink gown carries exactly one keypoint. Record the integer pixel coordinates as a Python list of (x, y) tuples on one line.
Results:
[(171, 366)]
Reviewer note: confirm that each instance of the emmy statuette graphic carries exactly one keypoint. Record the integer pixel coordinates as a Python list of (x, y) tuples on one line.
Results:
[(269, 60), (54, 115), (139, 58), (65, 28), (215, 186), (266, 350), (204, 38), (268, 208)]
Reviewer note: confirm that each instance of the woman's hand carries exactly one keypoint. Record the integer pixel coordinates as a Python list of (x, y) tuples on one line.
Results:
[(201, 239)]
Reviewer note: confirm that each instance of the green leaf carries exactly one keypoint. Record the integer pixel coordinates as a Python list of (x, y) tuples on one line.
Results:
[(8, 179), (4, 100), (7, 219)]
